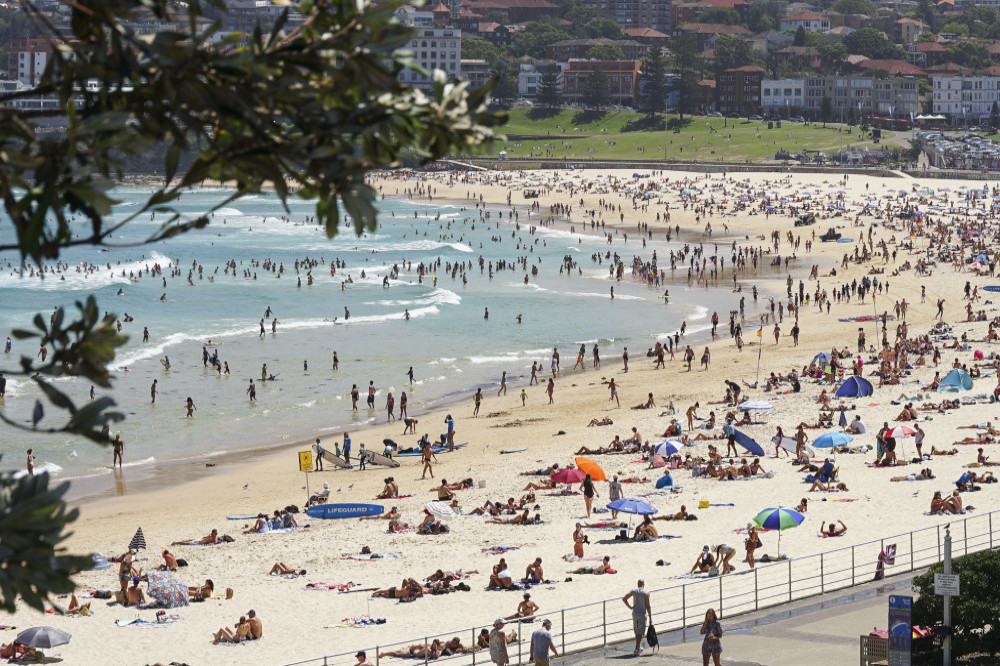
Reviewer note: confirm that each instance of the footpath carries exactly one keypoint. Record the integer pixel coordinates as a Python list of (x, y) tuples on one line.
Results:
[(820, 631)]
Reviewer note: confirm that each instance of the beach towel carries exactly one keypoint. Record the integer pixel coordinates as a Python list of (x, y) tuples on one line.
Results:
[(396, 496), (330, 587), (372, 557), (498, 550), (405, 530), (359, 622), (722, 504)]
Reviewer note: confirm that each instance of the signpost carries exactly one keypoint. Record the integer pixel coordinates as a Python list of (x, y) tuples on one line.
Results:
[(947, 585), (306, 465), (900, 630)]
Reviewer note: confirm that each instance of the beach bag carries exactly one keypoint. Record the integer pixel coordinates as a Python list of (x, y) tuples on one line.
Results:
[(703, 503), (651, 638)]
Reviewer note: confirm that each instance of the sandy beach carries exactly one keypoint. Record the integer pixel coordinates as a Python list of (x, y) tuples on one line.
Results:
[(300, 623)]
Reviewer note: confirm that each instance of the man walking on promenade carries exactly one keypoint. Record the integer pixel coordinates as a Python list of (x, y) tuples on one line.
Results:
[(541, 643), (640, 611)]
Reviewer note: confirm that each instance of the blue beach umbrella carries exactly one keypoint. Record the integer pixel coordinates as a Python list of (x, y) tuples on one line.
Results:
[(831, 439), (632, 505), (780, 519)]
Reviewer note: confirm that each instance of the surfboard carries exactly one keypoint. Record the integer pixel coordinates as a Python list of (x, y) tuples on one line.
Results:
[(246, 517), (525, 448), (992, 287), (748, 444), (331, 511), (789, 443), (845, 240), (337, 460), (435, 449), (379, 459)]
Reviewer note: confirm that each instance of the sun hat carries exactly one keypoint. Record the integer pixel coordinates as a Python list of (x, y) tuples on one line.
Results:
[(498, 622)]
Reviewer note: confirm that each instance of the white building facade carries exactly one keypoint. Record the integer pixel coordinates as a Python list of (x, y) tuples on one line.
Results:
[(434, 48), (782, 97), (965, 99)]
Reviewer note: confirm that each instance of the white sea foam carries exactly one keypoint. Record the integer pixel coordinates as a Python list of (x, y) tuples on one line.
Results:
[(71, 280)]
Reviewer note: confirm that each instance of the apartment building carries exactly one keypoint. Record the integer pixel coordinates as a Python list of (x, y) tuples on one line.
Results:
[(896, 96), (965, 99), (737, 91), (434, 48), (782, 97), (27, 59), (653, 14)]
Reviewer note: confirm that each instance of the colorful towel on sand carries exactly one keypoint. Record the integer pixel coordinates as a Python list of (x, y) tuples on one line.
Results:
[(497, 550), (394, 497), (372, 557), (359, 622), (145, 624), (329, 587), (405, 530)]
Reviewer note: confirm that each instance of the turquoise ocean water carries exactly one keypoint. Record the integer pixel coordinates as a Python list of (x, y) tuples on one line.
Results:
[(453, 349)]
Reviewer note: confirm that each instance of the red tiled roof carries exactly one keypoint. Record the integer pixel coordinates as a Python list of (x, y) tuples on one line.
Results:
[(747, 68), (802, 16), (893, 67), (930, 47), (713, 29), (645, 32), (488, 26)]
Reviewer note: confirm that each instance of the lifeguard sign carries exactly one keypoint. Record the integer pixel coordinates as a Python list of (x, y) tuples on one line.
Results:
[(305, 461)]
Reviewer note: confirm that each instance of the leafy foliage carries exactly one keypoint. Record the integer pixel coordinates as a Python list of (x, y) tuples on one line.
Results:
[(653, 91), (871, 43), (595, 92), (606, 52), (732, 51), (33, 520), (724, 15), (688, 65), (975, 614), (969, 54), (602, 27), (313, 109), (866, 7), (550, 87), (479, 49)]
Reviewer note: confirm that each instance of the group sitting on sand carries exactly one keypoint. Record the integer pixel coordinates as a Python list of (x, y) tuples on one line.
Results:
[(249, 628)]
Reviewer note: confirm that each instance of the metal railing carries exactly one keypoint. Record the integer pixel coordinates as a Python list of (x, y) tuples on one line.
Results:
[(600, 623)]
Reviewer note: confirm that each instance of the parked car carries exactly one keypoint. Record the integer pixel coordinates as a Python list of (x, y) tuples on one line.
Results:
[(755, 117)]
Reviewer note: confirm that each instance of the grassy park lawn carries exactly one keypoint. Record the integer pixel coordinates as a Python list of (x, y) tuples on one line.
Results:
[(704, 139)]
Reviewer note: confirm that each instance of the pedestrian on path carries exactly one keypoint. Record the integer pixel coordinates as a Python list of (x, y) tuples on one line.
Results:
[(640, 611), (712, 645), (541, 644)]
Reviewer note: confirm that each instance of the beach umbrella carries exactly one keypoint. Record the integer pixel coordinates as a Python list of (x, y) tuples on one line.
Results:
[(588, 466), (901, 431), (46, 637), (439, 509), (843, 419), (831, 439), (138, 541), (631, 505), (780, 519), (747, 443), (755, 404), (166, 589), (568, 476), (667, 447)]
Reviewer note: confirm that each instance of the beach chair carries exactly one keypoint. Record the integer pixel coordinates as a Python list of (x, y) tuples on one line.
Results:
[(319, 498)]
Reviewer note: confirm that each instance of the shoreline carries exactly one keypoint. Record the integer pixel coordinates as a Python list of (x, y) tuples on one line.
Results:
[(548, 434), (175, 472)]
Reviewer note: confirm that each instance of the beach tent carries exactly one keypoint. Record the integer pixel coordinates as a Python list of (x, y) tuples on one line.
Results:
[(955, 381), (855, 387)]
